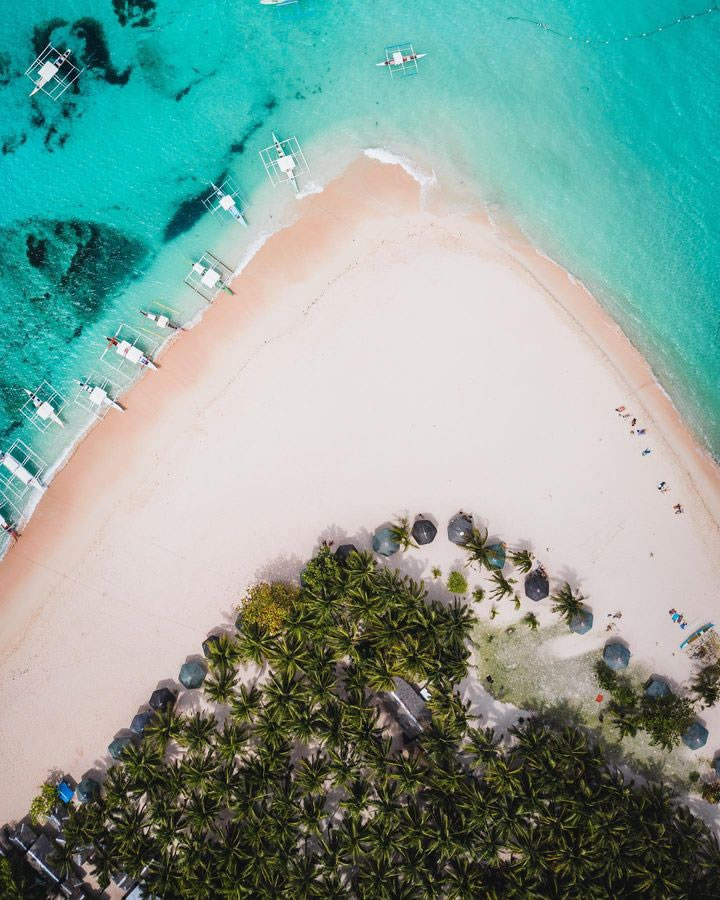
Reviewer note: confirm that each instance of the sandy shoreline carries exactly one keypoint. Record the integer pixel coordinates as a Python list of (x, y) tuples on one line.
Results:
[(376, 358)]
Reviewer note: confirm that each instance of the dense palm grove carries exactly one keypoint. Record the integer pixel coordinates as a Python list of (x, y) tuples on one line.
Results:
[(292, 787)]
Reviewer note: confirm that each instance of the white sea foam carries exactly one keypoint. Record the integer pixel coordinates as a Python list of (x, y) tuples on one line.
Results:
[(312, 187), (390, 158)]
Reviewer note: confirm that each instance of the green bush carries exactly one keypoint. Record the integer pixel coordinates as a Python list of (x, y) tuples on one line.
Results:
[(665, 719), (478, 594), (605, 676), (711, 792), (44, 803), (457, 583), (268, 605)]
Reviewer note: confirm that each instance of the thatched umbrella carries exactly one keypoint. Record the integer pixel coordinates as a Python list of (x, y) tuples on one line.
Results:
[(162, 698), (141, 721), (343, 551), (495, 556), (423, 531), (617, 656), (537, 586), (695, 737), (460, 528), (192, 674), (208, 643), (88, 790), (116, 747), (384, 543), (656, 687), (582, 622)]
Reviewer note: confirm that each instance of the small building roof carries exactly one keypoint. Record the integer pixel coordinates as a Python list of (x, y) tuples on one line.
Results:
[(343, 552), (384, 543), (617, 656), (423, 531), (38, 857), (460, 528)]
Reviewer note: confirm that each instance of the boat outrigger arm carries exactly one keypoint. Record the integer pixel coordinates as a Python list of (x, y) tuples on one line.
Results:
[(99, 396), (8, 527), (286, 162), (131, 353), (160, 320), (48, 71), (44, 410)]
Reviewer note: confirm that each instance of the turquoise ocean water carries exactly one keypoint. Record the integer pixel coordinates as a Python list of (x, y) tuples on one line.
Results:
[(601, 143)]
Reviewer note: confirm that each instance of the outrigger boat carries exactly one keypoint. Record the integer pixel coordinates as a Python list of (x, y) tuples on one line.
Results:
[(19, 471), (48, 71), (227, 202), (131, 353), (160, 320), (8, 527), (44, 410), (397, 59), (285, 161), (99, 396), (277, 2)]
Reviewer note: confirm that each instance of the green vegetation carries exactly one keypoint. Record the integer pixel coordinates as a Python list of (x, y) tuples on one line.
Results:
[(11, 888), (531, 620), (478, 594), (664, 719), (706, 684), (503, 587), (478, 550), (711, 792), (522, 560), (44, 803), (268, 605), (400, 532), (566, 603), (436, 572), (457, 583), (306, 791)]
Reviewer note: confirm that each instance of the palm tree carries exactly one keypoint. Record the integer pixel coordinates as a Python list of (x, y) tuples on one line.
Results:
[(532, 621), (381, 672), (245, 703), (522, 560), (198, 731), (224, 653), (479, 551), (483, 744), (166, 726), (311, 774), (503, 586), (289, 655), (400, 532), (231, 740), (567, 603), (219, 686), (255, 643)]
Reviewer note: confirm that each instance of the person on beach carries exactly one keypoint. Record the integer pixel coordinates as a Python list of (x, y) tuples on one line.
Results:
[(641, 430), (678, 509), (633, 423), (646, 451), (619, 409)]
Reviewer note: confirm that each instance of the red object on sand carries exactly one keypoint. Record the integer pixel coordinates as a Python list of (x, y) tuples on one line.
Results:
[(599, 698)]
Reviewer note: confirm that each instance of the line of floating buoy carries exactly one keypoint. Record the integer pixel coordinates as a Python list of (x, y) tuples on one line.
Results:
[(617, 40)]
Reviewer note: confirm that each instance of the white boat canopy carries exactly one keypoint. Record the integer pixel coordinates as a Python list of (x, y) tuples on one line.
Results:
[(52, 73), (208, 276), (284, 161)]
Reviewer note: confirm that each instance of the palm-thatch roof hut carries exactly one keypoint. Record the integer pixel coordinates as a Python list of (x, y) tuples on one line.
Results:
[(460, 529), (617, 656), (537, 586), (696, 736), (209, 642), (343, 552), (384, 543), (192, 674), (141, 721), (582, 622), (116, 747), (423, 531)]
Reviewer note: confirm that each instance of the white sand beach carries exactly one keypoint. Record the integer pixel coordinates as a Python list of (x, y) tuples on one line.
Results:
[(378, 359)]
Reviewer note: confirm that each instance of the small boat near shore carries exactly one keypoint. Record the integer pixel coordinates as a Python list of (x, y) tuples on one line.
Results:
[(397, 59), (227, 202), (48, 71), (160, 320), (43, 409), (286, 162), (99, 397), (19, 471), (131, 353)]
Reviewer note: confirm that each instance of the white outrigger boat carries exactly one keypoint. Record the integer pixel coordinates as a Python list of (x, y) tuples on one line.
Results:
[(277, 2), (19, 471), (48, 71), (43, 409), (99, 396), (227, 202), (286, 162), (160, 320), (131, 353), (397, 59), (8, 527)]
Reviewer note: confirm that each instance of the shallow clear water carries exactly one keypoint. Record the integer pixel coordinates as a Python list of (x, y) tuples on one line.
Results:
[(605, 153)]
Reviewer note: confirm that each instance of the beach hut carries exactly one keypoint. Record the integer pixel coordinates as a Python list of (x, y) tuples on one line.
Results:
[(460, 528), (88, 790), (343, 552), (192, 674), (617, 656), (716, 765), (537, 586), (384, 543), (141, 721), (208, 643), (116, 747), (162, 698), (656, 687), (696, 736), (423, 531), (495, 556), (582, 622)]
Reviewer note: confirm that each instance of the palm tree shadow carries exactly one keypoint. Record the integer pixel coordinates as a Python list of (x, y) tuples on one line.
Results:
[(281, 568), (335, 536), (567, 573)]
